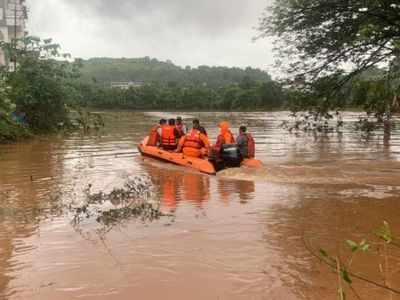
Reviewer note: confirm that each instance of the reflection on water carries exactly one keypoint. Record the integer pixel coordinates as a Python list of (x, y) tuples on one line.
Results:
[(240, 233), (177, 186), (244, 189)]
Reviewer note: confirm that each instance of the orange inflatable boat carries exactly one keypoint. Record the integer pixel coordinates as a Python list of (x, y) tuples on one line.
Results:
[(202, 165)]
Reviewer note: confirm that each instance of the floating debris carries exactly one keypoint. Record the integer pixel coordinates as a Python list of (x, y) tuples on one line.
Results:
[(136, 199)]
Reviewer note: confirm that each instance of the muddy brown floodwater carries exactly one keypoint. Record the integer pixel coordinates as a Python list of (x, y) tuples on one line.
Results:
[(238, 235)]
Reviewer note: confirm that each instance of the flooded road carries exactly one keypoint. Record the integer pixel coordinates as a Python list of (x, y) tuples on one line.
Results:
[(239, 235)]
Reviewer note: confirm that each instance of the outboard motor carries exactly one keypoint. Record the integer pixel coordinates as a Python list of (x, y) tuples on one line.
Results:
[(230, 155)]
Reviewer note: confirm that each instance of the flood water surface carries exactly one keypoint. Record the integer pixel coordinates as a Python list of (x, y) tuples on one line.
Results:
[(243, 234)]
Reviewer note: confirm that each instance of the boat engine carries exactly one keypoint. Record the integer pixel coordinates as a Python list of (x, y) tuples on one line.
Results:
[(230, 155)]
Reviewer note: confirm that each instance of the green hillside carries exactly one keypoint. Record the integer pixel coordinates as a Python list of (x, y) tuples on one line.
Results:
[(147, 70)]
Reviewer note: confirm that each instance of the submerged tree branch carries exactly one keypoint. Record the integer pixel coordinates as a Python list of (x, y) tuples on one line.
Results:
[(333, 265)]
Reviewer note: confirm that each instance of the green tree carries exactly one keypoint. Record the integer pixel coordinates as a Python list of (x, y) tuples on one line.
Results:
[(41, 86), (271, 95), (374, 96), (317, 38)]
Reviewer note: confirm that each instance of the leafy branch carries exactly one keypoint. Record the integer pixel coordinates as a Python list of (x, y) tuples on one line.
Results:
[(343, 270)]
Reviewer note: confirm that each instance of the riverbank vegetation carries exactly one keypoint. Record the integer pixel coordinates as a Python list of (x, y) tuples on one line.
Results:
[(9, 130), (39, 95), (38, 89)]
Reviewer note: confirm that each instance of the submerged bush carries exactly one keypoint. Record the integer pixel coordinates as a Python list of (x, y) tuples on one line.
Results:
[(136, 199)]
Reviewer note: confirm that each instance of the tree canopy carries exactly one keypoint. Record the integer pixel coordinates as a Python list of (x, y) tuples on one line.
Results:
[(41, 86), (319, 37), (338, 53), (249, 95)]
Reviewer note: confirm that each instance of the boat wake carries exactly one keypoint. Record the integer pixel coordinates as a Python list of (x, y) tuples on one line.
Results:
[(350, 172)]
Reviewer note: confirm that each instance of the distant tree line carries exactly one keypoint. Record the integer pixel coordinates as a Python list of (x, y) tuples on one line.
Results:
[(147, 70), (168, 86), (164, 85), (248, 95)]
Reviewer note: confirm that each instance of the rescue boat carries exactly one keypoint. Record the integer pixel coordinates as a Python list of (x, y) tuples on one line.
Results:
[(200, 164)]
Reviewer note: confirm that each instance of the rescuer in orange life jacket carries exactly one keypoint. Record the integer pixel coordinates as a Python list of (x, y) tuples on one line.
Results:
[(246, 143), (155, 134), (225, 137), (195, 143), (225, 152), (181, 127), (169, 136)]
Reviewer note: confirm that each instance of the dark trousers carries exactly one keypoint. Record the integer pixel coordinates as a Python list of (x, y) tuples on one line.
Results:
[(169, 147)]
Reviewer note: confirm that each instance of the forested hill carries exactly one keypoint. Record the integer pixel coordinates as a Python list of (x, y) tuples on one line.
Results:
[(106, 70)]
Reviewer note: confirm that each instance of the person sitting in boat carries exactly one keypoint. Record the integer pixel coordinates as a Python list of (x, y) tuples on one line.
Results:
[(225, 153), (181, 127), (196, 124), (169, 136), (225, 136), (246, 143), (195, 143), (155, 134)]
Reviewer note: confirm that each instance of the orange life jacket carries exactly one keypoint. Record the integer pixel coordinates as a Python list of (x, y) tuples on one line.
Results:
[(192, 152), (225, 136), (228, 138), (168, 137), (193, 140), (153, 136), (251, 146)]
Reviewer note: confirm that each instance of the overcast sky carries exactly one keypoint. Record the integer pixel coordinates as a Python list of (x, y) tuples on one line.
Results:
[(188, 32)]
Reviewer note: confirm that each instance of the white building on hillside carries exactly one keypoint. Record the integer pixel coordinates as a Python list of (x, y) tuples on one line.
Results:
[(13, 14), (127, 85)]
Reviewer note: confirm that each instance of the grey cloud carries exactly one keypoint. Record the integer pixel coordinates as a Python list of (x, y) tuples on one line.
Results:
[(189, 32), (206, 16)]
